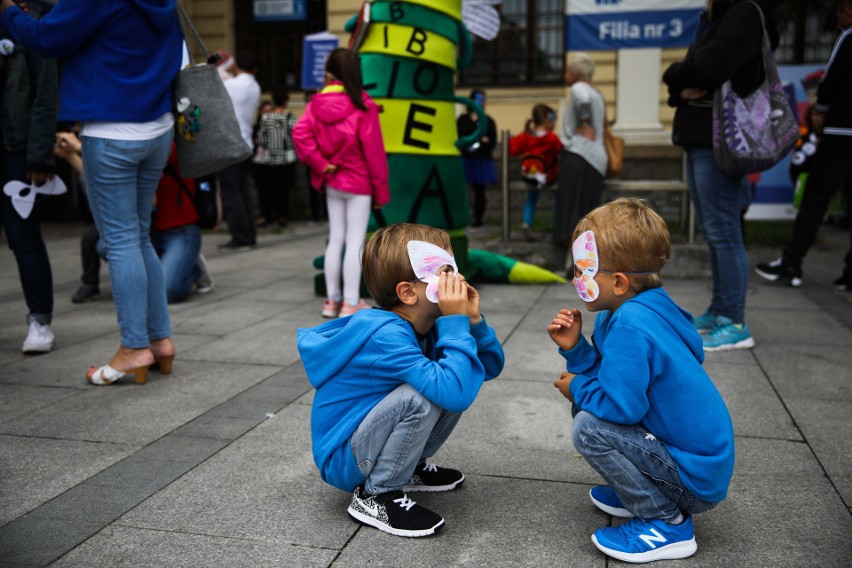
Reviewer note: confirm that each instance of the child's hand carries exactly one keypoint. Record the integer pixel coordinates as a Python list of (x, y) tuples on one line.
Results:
[(452, 294), (473, 305), (563, 383), (329, 169), (566, 328)]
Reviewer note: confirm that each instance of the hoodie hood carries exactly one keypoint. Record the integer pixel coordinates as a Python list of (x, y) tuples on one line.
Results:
[(161, 13), (679, 320), (328, 348), (333, 107)]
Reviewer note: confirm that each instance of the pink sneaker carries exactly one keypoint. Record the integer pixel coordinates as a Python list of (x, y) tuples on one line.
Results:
[(349, 309), (330, 309)]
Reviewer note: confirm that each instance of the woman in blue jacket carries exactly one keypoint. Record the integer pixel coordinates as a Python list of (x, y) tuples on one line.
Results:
[(119, 60)]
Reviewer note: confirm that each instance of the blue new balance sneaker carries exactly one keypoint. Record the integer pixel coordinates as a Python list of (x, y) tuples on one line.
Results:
[(705, 323), (728, 335), (639, 540), (607, 501)]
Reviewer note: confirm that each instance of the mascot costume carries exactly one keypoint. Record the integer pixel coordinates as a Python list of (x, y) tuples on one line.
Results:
[(409, 53)]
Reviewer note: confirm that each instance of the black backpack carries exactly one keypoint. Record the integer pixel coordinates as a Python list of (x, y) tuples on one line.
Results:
[(205, 200)]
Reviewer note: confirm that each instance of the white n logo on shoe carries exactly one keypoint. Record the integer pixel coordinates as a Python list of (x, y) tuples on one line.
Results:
[(650, 539)]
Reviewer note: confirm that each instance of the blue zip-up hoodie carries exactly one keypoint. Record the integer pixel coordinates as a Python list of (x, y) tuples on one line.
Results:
[(119, 58), (645, 368), (355, 362)]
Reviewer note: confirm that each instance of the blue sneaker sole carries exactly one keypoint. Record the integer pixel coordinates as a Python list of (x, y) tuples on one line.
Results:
[(682, 549), (746, 343)]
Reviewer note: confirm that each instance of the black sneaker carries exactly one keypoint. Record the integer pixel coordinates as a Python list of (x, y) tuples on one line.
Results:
[(86, 293), (778, 270), (428, 477), (844, 284), (394, 513)]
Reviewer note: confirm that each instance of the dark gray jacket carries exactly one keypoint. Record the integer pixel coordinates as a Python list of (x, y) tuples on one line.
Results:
[(29, 104)]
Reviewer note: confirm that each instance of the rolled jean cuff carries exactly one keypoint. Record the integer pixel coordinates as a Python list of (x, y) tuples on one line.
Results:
[(42, 319)]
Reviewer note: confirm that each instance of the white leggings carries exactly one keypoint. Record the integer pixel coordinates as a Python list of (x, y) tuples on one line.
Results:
[(348, 215)]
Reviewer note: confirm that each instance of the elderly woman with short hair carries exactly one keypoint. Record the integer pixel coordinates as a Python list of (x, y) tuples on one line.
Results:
[(583, 160)]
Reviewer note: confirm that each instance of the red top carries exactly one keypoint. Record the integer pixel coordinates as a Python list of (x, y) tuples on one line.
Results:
[(546, 147), (172, 206)]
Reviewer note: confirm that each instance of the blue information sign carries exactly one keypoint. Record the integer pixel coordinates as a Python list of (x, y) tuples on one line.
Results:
[(315, 52)]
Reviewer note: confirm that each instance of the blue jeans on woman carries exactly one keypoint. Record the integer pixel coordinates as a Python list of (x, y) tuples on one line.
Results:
[(637, 466), (178, 250), (399, 433), (717, 198), (121, 180), (25, 240)]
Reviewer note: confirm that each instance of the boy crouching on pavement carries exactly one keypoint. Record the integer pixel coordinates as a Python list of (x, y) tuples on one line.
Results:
[(647, 417), (391, 382)]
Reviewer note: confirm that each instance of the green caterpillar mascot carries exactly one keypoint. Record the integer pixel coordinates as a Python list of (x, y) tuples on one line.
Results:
[(409, 54)]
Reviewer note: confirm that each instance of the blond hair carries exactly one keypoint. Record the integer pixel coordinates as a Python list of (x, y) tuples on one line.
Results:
[(632, 238), (386, 261)]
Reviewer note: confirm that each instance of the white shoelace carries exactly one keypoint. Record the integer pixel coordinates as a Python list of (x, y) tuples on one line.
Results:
[(430, 467), (405, 502)]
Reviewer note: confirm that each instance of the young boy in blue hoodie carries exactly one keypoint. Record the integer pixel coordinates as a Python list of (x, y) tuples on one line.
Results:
[(647, 417), (391, 382)]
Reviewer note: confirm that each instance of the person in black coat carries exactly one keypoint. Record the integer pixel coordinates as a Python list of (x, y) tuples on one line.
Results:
[(728, 46), (831, 167)]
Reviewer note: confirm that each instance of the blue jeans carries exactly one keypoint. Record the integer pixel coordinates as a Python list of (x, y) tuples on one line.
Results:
[(399, 433), (178, 250), (635, 465), (121, 180), (529, 206), (717, 199), (25, 240)]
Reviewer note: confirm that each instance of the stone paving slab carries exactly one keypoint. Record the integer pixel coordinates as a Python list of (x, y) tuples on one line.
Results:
[(493, 521), (35, 470), (138, 414), (128, 546), (517, 429)]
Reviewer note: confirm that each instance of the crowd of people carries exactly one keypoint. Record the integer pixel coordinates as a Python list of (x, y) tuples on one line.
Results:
[(392, 382)]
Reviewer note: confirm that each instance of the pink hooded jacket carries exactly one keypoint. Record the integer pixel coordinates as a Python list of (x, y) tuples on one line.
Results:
[(333, 131)]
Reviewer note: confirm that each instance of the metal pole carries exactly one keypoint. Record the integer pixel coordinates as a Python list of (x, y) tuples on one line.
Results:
[(504, 183)]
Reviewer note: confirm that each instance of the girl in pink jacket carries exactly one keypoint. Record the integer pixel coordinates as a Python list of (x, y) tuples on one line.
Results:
[(340, 140)]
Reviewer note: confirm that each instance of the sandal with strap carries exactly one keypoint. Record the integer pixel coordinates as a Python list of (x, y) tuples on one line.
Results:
[(106, 375)]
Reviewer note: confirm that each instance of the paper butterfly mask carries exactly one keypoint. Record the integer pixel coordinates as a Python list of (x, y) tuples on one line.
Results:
[(585, 253), (426, 260)]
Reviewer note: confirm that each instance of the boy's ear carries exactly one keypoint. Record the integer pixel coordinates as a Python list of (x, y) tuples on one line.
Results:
[(621, 283), (407, 293)]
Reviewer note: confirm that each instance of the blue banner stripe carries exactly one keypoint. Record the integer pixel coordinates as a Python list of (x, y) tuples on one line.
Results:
[(663, 28)]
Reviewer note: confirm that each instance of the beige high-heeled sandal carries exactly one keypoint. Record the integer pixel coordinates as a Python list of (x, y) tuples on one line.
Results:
[(106, 375)]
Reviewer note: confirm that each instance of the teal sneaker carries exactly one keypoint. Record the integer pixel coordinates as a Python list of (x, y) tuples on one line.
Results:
[(728, 335), (605, 499), (640, 540), (705, 323)]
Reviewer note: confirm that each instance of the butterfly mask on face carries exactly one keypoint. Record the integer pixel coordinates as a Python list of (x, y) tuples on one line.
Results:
[(586, 265), (428, 261)]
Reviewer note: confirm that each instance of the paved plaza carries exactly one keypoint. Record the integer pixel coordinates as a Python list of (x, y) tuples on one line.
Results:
[(211, 466)]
